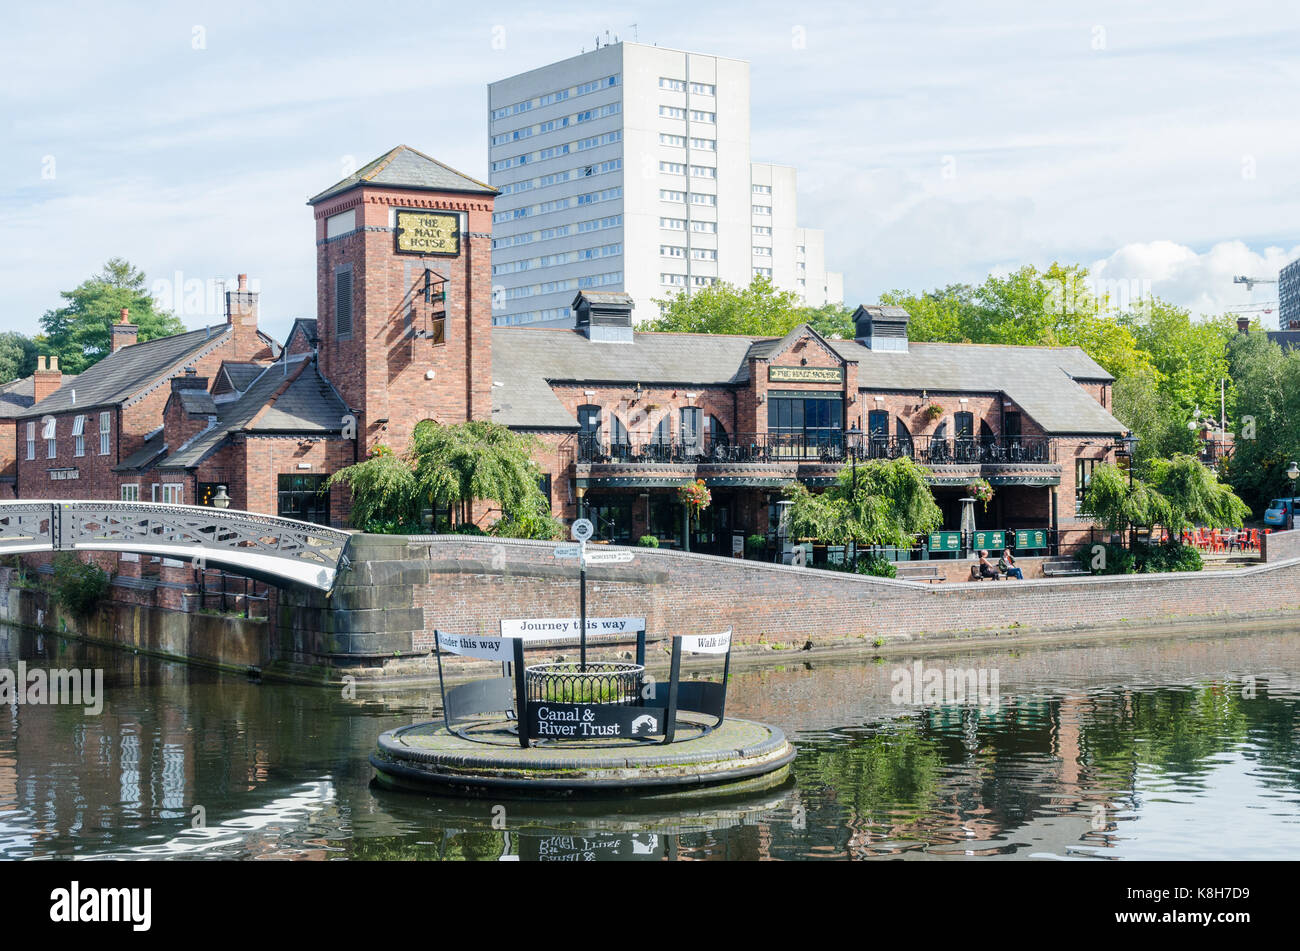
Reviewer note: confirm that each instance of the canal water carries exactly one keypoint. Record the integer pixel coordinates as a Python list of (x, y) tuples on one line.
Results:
[(1183, 747)]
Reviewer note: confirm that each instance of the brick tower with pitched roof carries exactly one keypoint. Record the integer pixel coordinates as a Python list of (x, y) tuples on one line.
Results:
[(404, 295)]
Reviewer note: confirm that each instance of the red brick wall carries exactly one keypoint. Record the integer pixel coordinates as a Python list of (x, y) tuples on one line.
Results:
[(679, 594), (380, 370)]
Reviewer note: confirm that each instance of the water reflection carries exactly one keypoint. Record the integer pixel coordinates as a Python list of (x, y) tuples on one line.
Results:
[(1179, 748)]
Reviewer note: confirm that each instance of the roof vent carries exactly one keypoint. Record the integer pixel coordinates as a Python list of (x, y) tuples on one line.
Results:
[(605, 318), (881, 327)]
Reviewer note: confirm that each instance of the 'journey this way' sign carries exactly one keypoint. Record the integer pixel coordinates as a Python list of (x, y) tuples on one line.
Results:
[(535, 628)]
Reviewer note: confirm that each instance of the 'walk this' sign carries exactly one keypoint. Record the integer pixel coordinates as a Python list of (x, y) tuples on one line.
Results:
[(427, 232)]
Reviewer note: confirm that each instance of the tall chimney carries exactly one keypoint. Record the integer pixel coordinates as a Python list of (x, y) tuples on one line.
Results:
[(241, 316), (123, 333), (47, 378)]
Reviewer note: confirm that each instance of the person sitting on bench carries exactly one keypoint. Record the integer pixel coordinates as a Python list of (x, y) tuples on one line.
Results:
[(987, 570), (1007, 565)]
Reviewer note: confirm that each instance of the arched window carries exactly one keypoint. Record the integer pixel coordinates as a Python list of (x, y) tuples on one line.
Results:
[(620, 446), (903, 437), (664, 431)]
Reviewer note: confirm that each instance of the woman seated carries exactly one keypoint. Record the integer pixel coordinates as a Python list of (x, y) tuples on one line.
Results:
[(986, 569), (1007, 565)]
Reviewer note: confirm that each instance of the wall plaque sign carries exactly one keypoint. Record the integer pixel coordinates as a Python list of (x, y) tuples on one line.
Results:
[(585, 721), (805, 374), (1031, 538), (945, 541), (427, 232)]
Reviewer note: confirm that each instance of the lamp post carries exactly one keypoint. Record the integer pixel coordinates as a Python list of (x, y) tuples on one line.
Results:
[(1127, 443), (855, 443), (1292, 472), (221, 499)]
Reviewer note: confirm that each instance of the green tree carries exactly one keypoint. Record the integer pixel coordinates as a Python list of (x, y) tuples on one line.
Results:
[(1194, 495), (888, 504), (759, 310), (17, 356), (78, 333), (1267, 422), (385, 496)]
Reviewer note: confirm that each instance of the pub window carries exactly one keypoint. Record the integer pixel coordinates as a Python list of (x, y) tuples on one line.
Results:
[(618, 432), (589, 418), (300, 497), (544, 486), (103, 433), (692, 422), (1083, 469), (714, 431), (131, 492), (814, 421), (1011, 427), (612, 517), (51, 449), (664, 431), (173, 493), (964, 424), (343, 302), (31, 440), (205, 492), (79, 436)]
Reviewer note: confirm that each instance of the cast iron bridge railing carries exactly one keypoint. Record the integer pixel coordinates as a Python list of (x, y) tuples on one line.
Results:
[(830, 447), (245, 542)]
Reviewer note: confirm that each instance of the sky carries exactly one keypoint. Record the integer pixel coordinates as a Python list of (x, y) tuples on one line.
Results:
[(935, 142)]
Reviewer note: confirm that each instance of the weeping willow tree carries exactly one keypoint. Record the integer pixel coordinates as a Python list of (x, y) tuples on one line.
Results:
[(1182, 494), (1195, 496), (385, 496), (452, 466), (886, 502)]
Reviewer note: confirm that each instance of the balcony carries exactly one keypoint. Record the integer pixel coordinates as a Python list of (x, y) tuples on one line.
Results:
[(817, 457), (831, 449)]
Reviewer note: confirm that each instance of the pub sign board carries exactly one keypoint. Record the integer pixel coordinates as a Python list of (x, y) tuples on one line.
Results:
[(1031, 538), (991, 541), (945, 541), (429, 233), (805, 374), (586, 721)]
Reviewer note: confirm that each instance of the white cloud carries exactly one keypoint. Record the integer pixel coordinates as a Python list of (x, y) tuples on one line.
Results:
[(1199, 281)]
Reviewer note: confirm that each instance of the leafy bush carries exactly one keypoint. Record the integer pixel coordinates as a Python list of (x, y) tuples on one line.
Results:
[(877, 567), (79, 587), (1142, 558), (392, 527), (756, 544), (648, 541), (466, 528)]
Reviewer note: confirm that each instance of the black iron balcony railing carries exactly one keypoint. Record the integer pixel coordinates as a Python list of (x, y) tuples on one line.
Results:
[(830, 447)]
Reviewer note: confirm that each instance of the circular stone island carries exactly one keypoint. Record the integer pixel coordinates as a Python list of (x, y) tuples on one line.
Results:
[(483, 758)]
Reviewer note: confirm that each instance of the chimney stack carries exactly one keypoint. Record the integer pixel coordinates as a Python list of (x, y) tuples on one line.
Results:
[(123, 333), (47, 378), (241, 316), (189, 380)]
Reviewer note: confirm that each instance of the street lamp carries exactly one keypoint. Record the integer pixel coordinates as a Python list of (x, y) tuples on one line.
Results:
[(855, 445), (1292, 472), (221, 499)]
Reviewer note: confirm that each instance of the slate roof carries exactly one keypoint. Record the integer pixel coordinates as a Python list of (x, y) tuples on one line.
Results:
[(18, 395), (197, 401), (151, 450), (404, 167), (296, 401), (526, 360), (240, 374), (121, 375)]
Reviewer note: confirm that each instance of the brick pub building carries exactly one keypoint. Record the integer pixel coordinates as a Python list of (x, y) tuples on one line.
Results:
[(404, 333)]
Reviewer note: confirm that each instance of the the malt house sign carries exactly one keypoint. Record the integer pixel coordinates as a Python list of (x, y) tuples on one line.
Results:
[(427, 232)]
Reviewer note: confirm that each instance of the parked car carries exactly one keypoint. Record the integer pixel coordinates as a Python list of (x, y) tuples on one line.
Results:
[(1279, 512)]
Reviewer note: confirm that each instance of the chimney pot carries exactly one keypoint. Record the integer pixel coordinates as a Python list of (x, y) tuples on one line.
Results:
[(243, 282), (54, 363), (125, 314)]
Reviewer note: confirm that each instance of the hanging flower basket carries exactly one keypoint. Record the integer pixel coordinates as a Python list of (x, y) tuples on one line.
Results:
[(933, 412), (695, 496), (981, 491)]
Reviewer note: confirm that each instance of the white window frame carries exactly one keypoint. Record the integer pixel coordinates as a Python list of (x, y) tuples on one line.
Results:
[(79, 435), (50, 434), (176, 489), (105, 429), (130, 492), (31, 439)]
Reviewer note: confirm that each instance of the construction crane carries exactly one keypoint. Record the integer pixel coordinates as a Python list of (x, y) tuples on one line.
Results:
[(1250, 282)]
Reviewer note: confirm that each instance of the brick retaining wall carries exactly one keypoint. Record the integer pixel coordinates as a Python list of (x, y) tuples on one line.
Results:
[(474, 582)]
